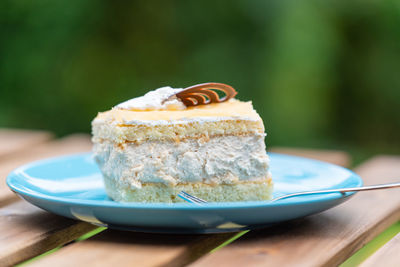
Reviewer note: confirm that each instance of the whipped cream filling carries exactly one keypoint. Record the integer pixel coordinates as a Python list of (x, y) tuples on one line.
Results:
[(160, 99), (221, 160)]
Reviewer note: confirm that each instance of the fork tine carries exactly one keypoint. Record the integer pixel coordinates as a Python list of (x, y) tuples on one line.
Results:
[(186, 198), (197, 199), (189, 198)]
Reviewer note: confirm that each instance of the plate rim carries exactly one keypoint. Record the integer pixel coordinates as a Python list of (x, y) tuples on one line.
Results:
[(173, 206)]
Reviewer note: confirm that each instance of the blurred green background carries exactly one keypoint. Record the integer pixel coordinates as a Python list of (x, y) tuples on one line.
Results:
[(321, 73)]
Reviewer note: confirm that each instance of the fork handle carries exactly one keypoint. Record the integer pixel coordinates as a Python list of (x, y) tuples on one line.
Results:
[(341, 190)]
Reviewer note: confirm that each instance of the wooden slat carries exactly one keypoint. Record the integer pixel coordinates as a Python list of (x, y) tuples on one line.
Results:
[(127, 249), (332, 156), (71, 144), (27, 231), (388, 255), (12, 140), (325, 239), (115, 248)]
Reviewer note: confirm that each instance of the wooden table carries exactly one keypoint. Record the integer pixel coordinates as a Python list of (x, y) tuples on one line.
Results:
[(325, 239)]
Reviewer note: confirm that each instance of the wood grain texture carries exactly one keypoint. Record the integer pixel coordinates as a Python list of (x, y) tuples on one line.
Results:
[(127, 249), (324, 239), (332, 156), (27, 231), (13, 140), (388, 255), (115, 248), (67, 145)]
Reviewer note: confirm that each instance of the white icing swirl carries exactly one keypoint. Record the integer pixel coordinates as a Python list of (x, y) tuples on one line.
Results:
[(158, 99)]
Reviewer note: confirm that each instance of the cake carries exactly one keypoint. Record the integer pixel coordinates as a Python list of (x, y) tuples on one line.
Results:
[(152, 147)]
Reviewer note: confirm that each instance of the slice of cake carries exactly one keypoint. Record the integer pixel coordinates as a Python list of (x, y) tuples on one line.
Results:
[(152, 147)]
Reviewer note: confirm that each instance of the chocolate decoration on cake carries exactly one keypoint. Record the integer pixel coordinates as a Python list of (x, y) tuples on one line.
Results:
[(203, 94)]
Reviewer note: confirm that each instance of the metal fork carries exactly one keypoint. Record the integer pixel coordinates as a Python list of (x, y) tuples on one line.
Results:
[(192, 199), (189, 198)]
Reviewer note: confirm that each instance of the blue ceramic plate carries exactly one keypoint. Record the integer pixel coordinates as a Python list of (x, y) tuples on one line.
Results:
[(72, 186)]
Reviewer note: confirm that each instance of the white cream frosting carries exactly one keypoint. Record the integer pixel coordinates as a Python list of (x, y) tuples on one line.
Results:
[(221, 160), (159, 99), (173, 122)]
